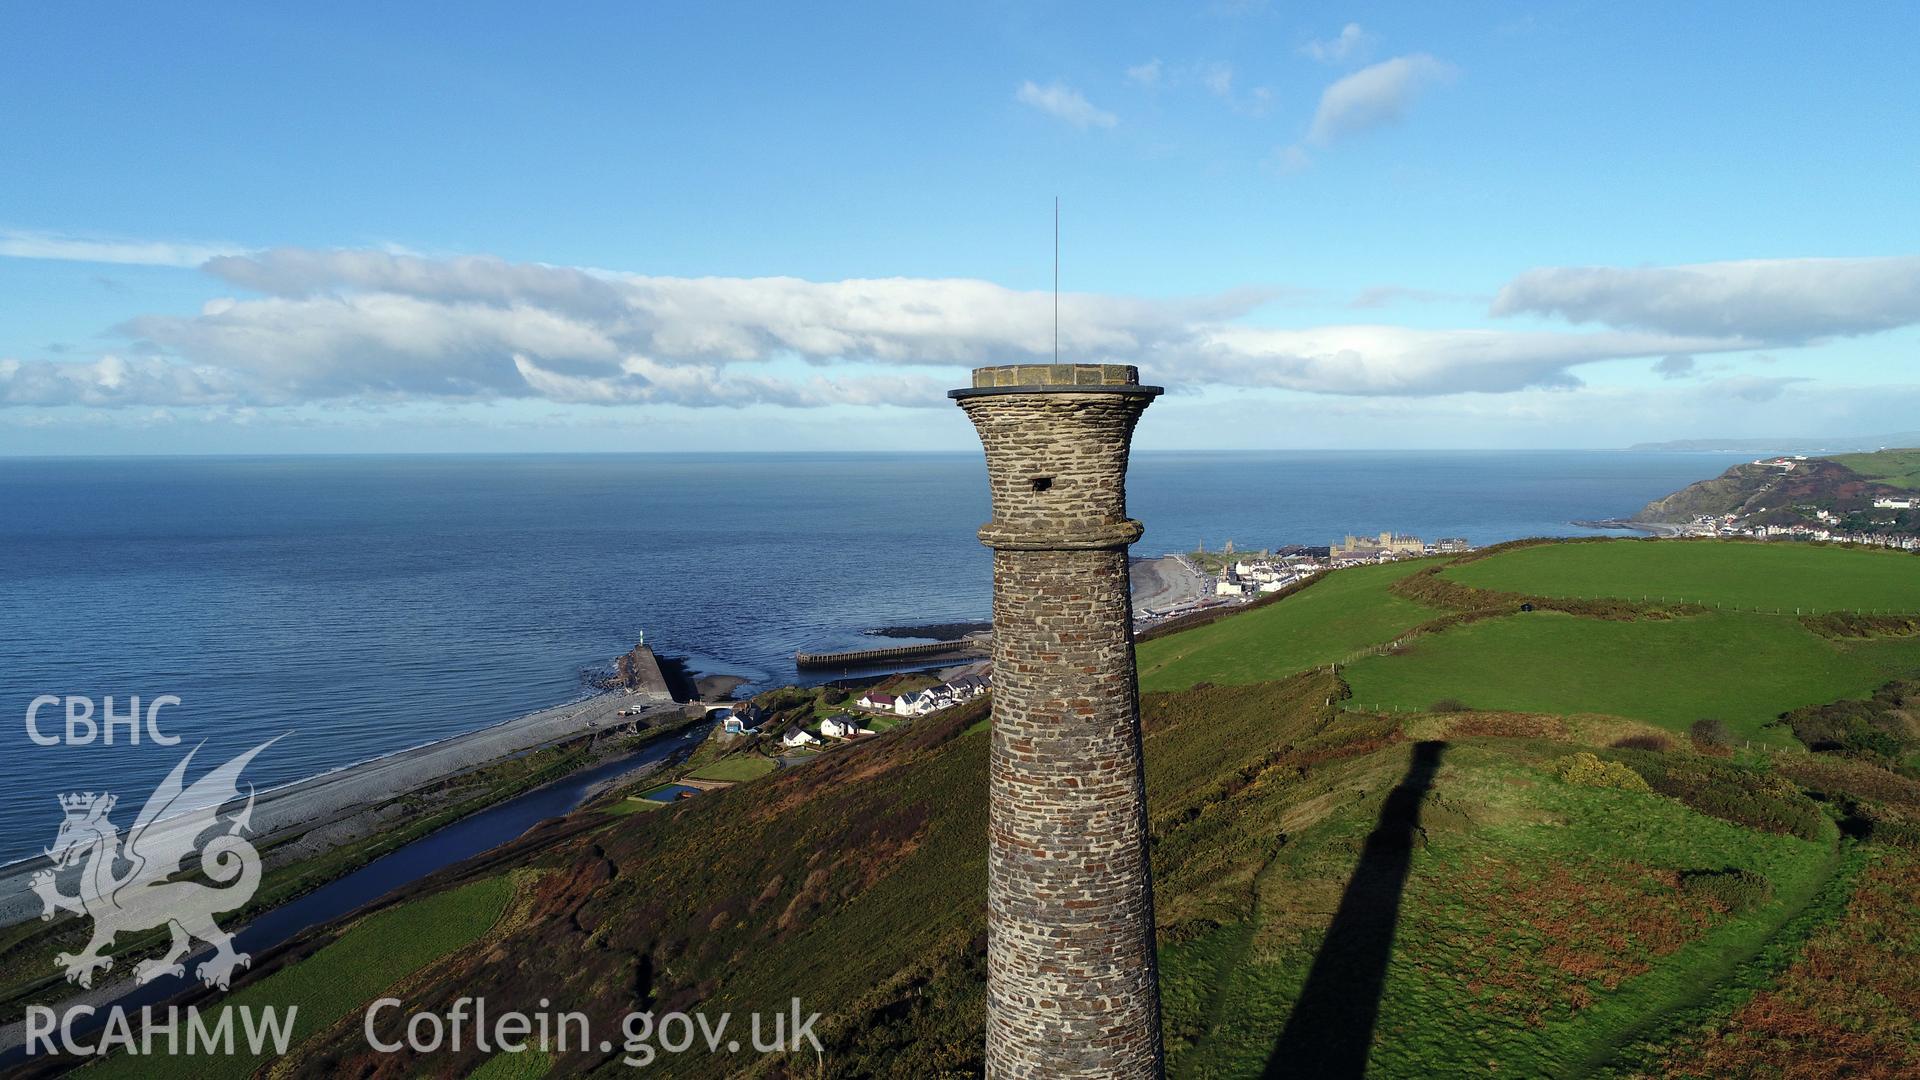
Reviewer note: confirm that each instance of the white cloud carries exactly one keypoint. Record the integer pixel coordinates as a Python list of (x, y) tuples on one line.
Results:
[(373, 326), (114, 381), (645, 381), (380, 300), (1592, 416), (1147, 74), (1781, 300), (1374, 96), (45, 245), (1365, 360), (1676, 366), (1065, 103), (1351, 42)]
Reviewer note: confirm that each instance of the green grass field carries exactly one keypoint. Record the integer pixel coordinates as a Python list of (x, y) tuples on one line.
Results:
[(1325, 623), (1744, 669), (343, 976), (737, 768), (1782, 576), (1901, 468)]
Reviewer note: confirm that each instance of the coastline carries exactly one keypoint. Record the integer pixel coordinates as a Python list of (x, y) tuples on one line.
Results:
[(1165, 582), (1651, 528), (320, 808)]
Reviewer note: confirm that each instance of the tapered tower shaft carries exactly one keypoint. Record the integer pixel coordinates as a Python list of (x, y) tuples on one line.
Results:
[(1071, 979)]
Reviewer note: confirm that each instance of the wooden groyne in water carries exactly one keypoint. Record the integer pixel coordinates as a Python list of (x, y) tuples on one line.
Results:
[(861, 657)]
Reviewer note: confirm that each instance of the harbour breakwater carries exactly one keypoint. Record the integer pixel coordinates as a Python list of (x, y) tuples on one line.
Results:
[(972, 646)]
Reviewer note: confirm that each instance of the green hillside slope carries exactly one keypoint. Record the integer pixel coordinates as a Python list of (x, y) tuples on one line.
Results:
[(1338, 886), (1325, 623), (1743, 669), (1782, 577), (1900, 468)]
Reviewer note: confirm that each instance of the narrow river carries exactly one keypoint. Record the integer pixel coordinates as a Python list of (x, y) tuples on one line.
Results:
[(464, 839)]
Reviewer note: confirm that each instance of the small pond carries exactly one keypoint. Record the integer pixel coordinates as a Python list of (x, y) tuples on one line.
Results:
[(671, 792)]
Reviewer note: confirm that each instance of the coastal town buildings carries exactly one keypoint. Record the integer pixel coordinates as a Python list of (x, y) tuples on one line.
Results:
[(1732, 525), (1387, 543), (941, 696)]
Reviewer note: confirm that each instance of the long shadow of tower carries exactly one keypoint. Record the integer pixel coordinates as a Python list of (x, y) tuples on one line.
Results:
[(1330, 1032)]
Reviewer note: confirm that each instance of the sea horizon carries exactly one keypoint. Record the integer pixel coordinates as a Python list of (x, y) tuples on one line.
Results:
[(857, 451)]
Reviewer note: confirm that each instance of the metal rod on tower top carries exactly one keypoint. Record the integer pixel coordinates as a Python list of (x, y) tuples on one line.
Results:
[(1056, 279)]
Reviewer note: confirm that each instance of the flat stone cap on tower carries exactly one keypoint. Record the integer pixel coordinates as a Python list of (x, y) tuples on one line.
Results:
[(1055, 378)]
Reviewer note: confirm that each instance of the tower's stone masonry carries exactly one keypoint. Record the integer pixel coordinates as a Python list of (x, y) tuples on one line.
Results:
[(1071, 980)]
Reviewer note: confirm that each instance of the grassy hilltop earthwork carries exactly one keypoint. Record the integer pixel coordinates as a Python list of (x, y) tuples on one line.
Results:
[(1399, 822)]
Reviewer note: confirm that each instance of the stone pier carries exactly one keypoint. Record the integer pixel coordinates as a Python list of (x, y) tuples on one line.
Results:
[(1071, 980)]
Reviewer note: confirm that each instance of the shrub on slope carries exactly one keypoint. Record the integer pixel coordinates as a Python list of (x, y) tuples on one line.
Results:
[(1584, 768), (1884, 728), (1741, 794)]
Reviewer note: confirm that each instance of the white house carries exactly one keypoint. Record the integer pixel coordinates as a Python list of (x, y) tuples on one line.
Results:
[(877, 702), (842, 727), (1893, 504), (798, 736), (1228, 588), (929, 700), (968, 687)]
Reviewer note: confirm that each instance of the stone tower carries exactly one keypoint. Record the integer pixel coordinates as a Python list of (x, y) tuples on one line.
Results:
[(1072, 984)]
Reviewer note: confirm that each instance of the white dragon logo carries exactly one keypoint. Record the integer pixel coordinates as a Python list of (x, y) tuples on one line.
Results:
[(141, 898)]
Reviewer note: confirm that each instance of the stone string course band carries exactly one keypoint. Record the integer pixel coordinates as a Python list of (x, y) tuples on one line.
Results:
[(1072, 988)]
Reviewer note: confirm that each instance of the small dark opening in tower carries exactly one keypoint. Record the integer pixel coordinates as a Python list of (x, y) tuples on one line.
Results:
[(1042, 483)]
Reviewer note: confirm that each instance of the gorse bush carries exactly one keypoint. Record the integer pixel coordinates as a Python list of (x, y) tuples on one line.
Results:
[(1429, 587), (1445, 705), (1872, 801), (1737, 793), (1739, 891), (1711, 732), (1844, 625), (1878, 729), (1587, 770), (1650, 741)]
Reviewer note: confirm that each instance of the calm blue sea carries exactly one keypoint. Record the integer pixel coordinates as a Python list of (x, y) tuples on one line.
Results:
[(369, 604)]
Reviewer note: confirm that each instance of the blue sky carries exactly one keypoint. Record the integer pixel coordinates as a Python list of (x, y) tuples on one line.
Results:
[(647, 227)]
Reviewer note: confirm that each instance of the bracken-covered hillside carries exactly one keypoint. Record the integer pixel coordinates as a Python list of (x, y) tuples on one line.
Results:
[(1424, 885)]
